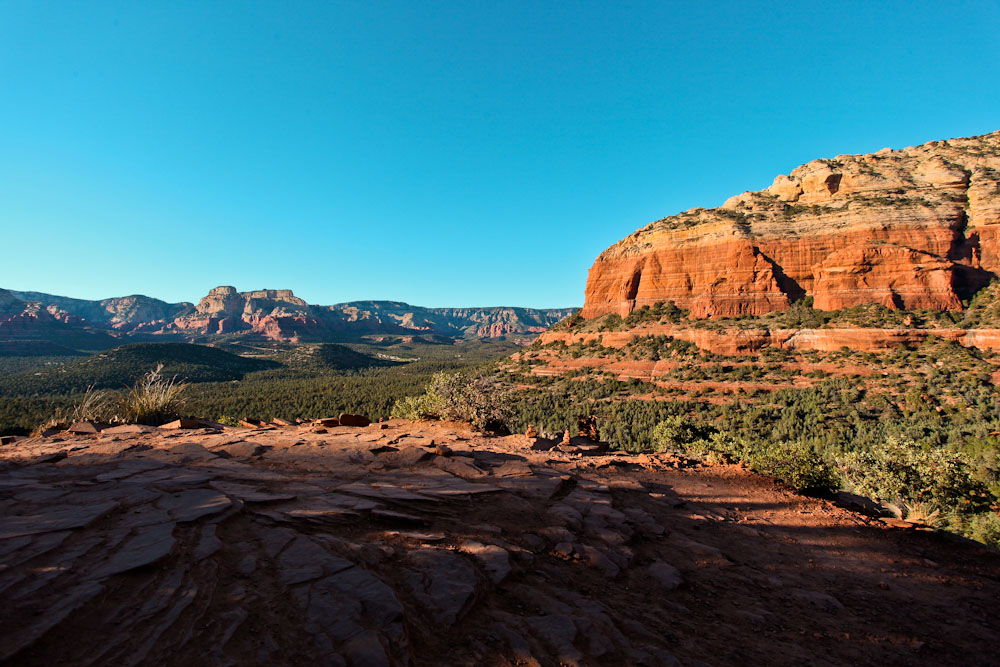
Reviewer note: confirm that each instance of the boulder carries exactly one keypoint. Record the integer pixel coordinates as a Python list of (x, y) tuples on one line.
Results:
[(353, 420), (86, 428)]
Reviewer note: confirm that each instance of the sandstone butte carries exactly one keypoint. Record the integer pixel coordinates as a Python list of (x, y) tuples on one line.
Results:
[(429, 544), (912, 228)]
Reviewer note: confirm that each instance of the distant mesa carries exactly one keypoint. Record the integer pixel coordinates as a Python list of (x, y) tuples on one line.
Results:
[(267, 315), (909, 229)]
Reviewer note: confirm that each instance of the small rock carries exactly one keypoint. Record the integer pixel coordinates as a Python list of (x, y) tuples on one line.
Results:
[(244, 449), (190, 505), (191, 451), (597, 559), (181, 423), (666, 575), (353, 420), (405, 457), (564, 550), (443, 450), (128, 429), (495, 559), (85, 428), (442, 582)]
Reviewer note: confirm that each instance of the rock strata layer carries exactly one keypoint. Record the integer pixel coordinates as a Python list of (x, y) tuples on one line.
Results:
[(911, 228)]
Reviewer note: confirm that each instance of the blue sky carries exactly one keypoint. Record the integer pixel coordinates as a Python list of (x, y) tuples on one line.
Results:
[(444, 154)]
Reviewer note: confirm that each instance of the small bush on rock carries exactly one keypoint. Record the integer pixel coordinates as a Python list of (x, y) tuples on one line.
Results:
[(480, 400)]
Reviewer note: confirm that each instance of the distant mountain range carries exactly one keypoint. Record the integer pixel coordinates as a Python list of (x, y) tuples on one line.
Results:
[(226, 314)]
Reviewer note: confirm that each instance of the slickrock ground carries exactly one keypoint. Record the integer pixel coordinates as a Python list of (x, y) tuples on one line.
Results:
[(362, 546)]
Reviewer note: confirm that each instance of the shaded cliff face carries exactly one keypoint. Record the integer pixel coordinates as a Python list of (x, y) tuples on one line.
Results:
[(911, 228)]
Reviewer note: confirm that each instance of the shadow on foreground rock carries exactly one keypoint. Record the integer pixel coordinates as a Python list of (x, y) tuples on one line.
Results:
[(424, 544)]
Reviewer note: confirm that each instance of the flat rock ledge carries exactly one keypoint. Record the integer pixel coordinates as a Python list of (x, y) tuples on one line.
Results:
[(425, 544)]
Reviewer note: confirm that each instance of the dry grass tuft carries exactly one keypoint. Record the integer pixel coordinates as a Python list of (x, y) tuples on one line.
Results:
[(153, 399)]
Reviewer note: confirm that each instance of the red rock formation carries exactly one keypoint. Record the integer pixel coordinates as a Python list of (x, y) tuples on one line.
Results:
[(887, 274), (912, 228)]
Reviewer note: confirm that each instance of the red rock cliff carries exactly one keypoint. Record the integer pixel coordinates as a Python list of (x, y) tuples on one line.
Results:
[(911, 228)]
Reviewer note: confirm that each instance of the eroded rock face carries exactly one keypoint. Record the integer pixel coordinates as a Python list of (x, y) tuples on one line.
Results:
[(911, 228), (891, 275)]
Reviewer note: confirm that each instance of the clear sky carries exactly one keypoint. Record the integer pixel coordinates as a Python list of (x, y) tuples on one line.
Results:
[(441, 153)]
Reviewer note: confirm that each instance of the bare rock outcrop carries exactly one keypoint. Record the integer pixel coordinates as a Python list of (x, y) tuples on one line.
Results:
[(891, 275), (911, 228), (288, 547)]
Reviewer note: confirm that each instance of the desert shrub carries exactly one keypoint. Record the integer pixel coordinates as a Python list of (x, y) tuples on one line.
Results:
[(678, 434), (899, 472), (983, 527), (794, 464), (797, 465), (479, 399), (424, 406), (612, 322), (153, 399), (569, 323)]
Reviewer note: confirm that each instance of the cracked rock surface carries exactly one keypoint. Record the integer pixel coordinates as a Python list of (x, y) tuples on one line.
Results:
[(428, 544)]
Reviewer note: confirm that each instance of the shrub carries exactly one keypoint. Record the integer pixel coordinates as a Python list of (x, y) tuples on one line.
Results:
[(424, 406), (612, 322), (676, 433), (983, 527), (152, 400), (480, 400), (796, 465), (899, 472)]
